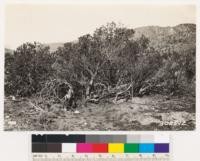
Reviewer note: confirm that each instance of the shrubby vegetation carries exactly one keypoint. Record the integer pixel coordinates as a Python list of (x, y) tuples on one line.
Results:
[(27, 69), (109, 62)]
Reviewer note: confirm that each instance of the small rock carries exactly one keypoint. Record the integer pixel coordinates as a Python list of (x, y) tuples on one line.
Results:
[(12, 122), (7, 117), (13, 98), (76, 112)]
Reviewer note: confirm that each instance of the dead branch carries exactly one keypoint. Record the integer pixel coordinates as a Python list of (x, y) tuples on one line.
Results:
[(127, 90), (36, 107)]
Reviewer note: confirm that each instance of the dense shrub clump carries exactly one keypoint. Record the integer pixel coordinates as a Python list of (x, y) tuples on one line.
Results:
[(112, 57)]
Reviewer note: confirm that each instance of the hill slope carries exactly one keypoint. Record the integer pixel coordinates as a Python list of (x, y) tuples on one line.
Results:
[(54, 46), (162, 37), (183, 35)]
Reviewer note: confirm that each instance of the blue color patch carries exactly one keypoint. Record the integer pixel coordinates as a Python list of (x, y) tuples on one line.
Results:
[(146, 148)]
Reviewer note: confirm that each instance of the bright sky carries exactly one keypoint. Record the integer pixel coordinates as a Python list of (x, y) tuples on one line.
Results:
[(62, 23)]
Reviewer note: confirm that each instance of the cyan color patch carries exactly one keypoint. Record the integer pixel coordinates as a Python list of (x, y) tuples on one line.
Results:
[(146, 148)]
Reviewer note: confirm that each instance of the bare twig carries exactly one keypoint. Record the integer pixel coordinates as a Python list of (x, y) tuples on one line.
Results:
[(36, 107)]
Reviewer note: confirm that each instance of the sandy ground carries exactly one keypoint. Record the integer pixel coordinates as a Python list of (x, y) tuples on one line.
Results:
[(145, 113)]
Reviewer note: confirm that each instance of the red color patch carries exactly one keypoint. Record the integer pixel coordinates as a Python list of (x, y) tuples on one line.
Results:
[(100, 148)]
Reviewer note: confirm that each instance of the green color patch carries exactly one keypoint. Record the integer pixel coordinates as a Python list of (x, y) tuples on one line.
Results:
[(131, 148)]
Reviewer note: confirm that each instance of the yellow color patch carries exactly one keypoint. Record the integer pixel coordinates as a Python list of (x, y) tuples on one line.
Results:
[(116, 148)]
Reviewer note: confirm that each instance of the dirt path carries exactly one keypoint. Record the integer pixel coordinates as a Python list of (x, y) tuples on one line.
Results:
[(146, 113)]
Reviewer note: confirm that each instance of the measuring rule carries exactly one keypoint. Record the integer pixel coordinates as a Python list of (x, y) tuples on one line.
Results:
[(100, 148)]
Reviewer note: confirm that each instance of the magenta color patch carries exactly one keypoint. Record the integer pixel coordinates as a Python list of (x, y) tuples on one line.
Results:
[(84, 148)]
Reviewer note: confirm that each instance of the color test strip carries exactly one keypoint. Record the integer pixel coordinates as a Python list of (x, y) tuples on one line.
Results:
[(100, 144), (100, 148), (146, 148), (92, 148), (66, 138), (95, 138), (119, 139), (161, 148), (116, 148), (131, 148), (84, 148), (161, 139), (105, 138), (58, 138), (39, 138), (92, 139), (39, 148), (54, 148), (133, 139), (69, 148), (146, 139)]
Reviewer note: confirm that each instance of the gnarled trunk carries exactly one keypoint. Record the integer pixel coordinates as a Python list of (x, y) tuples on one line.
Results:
[(89, 87)]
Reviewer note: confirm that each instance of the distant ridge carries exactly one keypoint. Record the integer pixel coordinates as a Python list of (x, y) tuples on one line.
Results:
[(158, 36), (54, 46)]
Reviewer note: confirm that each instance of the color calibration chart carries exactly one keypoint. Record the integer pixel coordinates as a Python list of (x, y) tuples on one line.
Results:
[(100, 148)]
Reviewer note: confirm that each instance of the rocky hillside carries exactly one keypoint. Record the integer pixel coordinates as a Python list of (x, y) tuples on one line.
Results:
[(54, 46), (162, 37)]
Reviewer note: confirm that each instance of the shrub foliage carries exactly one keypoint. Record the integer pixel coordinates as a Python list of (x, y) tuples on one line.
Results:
[(109, 58)]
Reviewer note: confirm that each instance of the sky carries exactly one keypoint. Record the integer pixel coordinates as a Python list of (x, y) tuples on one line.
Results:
[(47, 23)]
